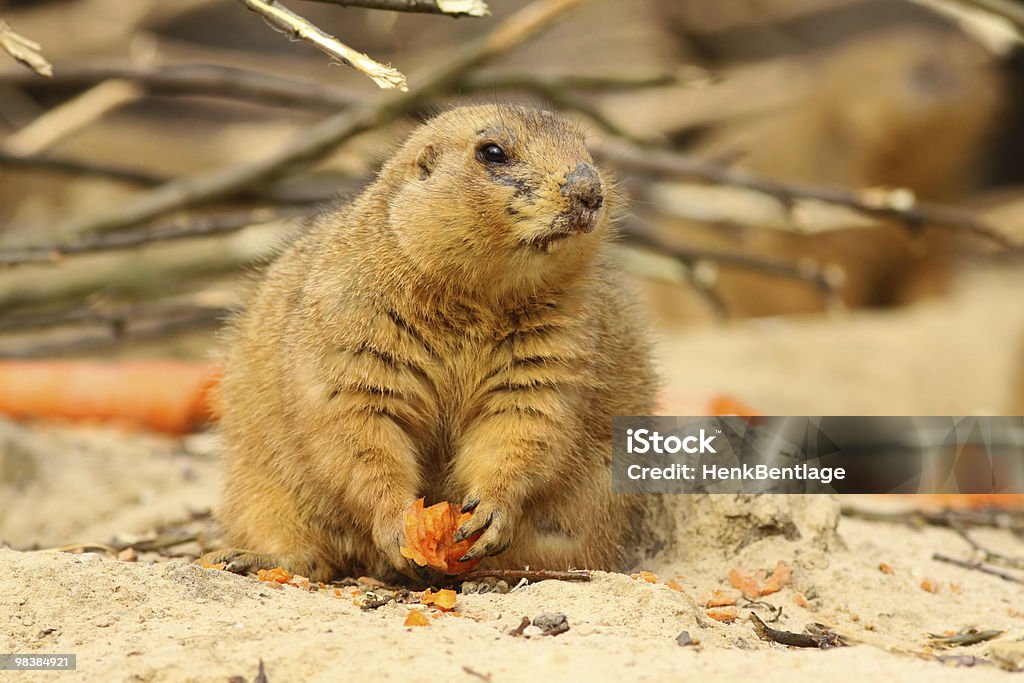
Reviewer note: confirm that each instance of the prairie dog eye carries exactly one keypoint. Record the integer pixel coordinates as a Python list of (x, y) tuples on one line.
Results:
[(491, 153)]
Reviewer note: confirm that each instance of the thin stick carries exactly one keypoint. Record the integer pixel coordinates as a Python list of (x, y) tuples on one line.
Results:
[(82, 168), (198, 318), (978, 566), (211, 80), (988, 555), (453, 8), (324, 137), (67, 118), (884, 206), (215, 80), (944, 518), (812, 275), (114, 317), (1013, 11), (531, 575), (24, 50), (198, 226), (282, 18), (575, 81)]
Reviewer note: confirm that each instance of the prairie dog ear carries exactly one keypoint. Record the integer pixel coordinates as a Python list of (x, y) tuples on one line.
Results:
[(426, 160)]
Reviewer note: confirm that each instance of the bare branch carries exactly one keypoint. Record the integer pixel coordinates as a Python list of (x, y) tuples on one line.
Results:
[(24, 50), (585, 82), (137, 325), (310, 188), (812, 274), (213, 80), (324, 137), (1014, 11), (114, 317), (199, 226), (70, 116), (996, 24), (894, 205), (282, 18), (81, 168), (453, 8), (978, 566), (198, 79)]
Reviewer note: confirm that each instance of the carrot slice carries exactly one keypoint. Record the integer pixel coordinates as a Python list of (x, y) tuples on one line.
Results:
[(416, 618), (430, 537), (443, 599), (164, 395)]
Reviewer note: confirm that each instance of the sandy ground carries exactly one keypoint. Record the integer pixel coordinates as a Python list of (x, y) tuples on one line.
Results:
[(176, 621), (159, 619)]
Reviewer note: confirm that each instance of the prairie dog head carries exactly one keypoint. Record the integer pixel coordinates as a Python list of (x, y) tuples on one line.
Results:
[(501, 194)]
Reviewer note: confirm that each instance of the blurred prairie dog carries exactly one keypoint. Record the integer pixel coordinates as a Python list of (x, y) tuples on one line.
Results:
[(902, 108), (458, 332)]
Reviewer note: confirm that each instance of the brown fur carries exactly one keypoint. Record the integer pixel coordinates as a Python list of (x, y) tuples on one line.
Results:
[(449, 334)]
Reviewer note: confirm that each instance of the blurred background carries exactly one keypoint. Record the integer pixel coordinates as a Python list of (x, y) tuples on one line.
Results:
[(824, 214)]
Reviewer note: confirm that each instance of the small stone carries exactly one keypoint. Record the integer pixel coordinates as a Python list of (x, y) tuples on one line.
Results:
[(128, 555), (1008, 656), (684, 639), (551, 623)]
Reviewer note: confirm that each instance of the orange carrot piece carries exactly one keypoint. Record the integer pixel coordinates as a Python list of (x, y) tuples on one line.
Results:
[(416, 618), (745, 582), (275, 575), (429, 537), (443, 599), (163, 395), (723, 404), (779, 578), (726, 614), (721, 598)]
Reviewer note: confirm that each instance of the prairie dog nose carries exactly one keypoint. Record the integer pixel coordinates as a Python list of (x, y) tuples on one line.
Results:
[(583, 185)]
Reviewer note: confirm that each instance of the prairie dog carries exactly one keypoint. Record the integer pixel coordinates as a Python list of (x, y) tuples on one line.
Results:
[(457, 332)]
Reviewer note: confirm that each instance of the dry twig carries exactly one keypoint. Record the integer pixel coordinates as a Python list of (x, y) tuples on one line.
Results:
[(212, 80), (105, 315), (143, 324), (978, 566), (988, 555), (283, 19), (453, 8), (24, 50), (999, 519), (529, 575), (324, 137), (70, 116), (894, 205), (815, 276), (198, 226), (81, 168)]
